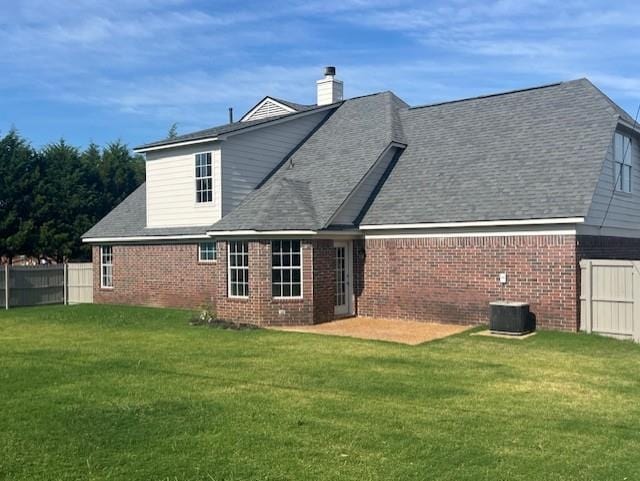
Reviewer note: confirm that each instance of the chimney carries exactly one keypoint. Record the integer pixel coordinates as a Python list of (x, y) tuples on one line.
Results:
[(329, 89)]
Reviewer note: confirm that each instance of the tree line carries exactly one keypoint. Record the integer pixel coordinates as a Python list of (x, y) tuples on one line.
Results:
[(50, 196)]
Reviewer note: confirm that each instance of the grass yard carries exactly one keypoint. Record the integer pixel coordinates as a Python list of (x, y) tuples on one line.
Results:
[(97, 392)]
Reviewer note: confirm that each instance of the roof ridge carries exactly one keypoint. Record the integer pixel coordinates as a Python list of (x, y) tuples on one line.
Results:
[(289, 103), (496, 94)]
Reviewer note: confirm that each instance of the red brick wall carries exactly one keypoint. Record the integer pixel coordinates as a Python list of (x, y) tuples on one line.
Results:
[(166, 275), (324, 266), (453, 279), (260, 308)]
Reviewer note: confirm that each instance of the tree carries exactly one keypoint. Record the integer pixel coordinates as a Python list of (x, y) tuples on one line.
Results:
[(173, 131), (120, 173), (64, 202), (19, 172), (49, 198)]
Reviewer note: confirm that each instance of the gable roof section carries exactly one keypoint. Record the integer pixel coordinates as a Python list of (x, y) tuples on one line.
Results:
[(272, 106), (129, 220), (321, 174), (528, 154)]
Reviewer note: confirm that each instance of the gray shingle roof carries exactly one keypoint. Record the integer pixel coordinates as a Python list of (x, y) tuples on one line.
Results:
[(129, 219), (321, 174), (534, 153), (529, 154), (226, 128)]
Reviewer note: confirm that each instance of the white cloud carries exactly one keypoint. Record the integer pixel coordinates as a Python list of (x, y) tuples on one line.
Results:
[(177, 60)]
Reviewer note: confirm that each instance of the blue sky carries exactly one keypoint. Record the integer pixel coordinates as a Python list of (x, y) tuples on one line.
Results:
[(127, 69)]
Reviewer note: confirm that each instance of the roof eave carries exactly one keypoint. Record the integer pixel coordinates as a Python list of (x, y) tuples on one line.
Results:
[(482, 223), (142, 150), (110, 239), (241, 130)]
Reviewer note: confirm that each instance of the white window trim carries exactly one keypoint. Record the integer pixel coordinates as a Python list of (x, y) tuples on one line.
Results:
[(215, 253), (284, 298), (103, 265), (196, 178), (626, 163), (231, 296)]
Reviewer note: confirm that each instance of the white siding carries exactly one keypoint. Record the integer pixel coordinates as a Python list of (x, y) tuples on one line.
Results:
[(624, 212), (356, 202), (248, 158), (171, 198), (268, 108)]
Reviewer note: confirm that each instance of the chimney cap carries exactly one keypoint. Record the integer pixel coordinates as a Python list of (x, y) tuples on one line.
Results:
[(330, 70)]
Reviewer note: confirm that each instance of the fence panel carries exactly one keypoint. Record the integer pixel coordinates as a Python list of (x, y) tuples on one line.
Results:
[(80, 283), (36, 285), (3, 295), (610, 298)]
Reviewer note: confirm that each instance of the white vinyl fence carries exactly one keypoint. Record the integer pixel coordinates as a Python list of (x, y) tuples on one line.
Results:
[(80, 283), (45, 284), (610, 298)]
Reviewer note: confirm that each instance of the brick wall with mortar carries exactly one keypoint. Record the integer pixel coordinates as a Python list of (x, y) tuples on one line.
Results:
[(260, 307), (453, 279), (324, 267), (165, 275)]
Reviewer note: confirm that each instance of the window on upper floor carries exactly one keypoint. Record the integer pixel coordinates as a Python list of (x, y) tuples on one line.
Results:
[(204, 178), (106, 267), (622, 162), (286, 268), (207, 252)]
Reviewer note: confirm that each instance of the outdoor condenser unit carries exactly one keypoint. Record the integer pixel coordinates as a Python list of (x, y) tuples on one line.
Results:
[(511, 318)]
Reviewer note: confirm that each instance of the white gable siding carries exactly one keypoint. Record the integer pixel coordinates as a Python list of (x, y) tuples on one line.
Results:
[(624, 212), (268, 108), (248, 158), (171, 197), (350, 211)]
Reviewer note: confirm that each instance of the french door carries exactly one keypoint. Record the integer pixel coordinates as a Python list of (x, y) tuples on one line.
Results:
[(344, 286)]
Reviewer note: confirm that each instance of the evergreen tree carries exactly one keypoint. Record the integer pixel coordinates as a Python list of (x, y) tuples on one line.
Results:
[(173, 131), (48, 199), (19, 172)]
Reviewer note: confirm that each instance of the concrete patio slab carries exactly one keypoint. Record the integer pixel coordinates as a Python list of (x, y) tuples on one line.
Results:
[(392, 330)]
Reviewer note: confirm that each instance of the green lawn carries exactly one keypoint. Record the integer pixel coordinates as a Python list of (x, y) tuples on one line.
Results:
[(97, 392)]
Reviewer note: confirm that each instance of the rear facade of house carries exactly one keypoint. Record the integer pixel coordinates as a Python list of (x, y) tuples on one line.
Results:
[(300, 214)]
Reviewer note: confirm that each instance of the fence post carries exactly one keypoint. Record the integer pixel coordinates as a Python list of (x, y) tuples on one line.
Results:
[(636, 301), (588, 295), (65, 279), (6, 286)]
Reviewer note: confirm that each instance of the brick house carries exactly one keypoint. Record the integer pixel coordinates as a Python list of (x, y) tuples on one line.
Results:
[(367, 206)]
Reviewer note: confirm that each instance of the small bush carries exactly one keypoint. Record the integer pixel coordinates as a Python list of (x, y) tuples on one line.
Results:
[(206, 316)]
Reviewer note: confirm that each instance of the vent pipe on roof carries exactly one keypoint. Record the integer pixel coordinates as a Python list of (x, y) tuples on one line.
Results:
[(329, 89), (230, 115)]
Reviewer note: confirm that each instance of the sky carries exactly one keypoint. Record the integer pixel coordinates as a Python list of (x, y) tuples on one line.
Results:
[(100, 71)]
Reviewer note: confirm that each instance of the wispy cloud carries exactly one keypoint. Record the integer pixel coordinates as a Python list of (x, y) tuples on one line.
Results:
[(143, 64)]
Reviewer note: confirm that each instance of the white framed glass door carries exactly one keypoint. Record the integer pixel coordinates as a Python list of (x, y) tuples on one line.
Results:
[(344, 287)]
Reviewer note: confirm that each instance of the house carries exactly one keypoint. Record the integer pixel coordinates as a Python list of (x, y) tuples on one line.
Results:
[(368, 206)]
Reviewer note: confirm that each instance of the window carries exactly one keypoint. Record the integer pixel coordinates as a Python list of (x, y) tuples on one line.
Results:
[(622, 159), (286, 268), (207, 252), (204, 178), (106, 266), (238, 269)]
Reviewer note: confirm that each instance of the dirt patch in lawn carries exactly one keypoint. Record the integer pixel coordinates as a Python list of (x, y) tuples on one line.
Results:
[(393, 330)]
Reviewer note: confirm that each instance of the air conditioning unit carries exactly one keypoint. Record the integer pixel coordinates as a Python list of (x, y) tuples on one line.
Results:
[(512, 318)]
